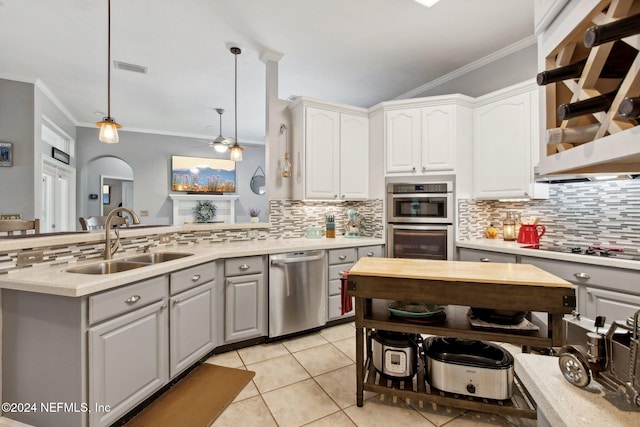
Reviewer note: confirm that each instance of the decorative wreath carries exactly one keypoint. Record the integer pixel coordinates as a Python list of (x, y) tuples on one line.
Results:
[(204, 211)]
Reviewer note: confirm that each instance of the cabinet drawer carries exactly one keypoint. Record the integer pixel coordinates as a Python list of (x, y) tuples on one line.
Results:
[(371, 251), (127, 298), (615, 279), (335, 286), (335, 307), (335, 271), (244, 265), (476, 255), (342, 256), (192, 277)]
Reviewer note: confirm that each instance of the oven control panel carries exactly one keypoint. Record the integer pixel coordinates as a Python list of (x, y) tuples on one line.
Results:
[(432, 187)]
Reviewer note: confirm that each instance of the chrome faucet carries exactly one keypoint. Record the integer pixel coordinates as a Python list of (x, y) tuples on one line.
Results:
[(111, 248)]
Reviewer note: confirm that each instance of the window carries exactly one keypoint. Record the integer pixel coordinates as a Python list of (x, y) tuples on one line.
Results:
[(55, 136)]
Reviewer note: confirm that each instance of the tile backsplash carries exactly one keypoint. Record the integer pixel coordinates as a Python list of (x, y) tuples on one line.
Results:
[(576, 214), (290, 218)]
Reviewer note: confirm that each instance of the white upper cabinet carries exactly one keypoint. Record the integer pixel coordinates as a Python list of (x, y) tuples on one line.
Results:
[(505, 143), (423, 136), (330, 151)]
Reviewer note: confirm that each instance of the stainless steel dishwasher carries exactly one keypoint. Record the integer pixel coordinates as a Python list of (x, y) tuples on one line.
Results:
[(297, 292)]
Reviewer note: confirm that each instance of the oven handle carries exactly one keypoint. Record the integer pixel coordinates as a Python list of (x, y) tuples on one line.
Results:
[(418, 195), (420, 227)]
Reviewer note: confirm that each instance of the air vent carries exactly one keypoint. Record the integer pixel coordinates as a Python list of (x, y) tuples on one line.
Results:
[(130, 67)]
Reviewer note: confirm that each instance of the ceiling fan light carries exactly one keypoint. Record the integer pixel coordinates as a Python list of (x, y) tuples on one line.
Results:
[(220, 146), (108, 131), (236, 153)]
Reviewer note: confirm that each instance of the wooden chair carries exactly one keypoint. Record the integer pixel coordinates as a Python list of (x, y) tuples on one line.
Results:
[(19, 226), (92, 222)]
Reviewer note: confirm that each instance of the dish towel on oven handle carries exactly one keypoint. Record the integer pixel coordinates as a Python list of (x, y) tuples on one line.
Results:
[(345, 300)]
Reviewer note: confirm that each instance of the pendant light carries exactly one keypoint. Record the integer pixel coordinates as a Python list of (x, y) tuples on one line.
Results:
[(220, 143), (235, 149), (108, 126)]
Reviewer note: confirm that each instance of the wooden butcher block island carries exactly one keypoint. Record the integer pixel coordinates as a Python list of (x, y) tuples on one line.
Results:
[(375, 282)]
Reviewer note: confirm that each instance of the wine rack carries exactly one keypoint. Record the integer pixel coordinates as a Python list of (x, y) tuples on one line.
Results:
[(566, 134)]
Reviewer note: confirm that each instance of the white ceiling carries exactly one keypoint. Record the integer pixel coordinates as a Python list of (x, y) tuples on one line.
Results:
[(358, 52)]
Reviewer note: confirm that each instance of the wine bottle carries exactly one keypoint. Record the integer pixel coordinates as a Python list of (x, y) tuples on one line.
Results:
[(578, 134), (616, 66), (629, 108), (587, 106), (616, 30)]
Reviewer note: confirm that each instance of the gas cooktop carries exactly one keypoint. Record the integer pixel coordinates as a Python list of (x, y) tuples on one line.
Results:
[(591, 250)]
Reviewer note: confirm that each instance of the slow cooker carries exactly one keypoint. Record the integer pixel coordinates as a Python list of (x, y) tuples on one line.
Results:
[(469, 367), (395, 353)]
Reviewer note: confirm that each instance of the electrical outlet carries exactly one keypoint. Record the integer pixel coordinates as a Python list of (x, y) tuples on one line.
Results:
[(253, 234), (165, 238), (29, 258)]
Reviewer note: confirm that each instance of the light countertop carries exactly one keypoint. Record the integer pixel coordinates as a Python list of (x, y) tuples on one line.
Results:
[(499, 245), (52, 279), (563, 404)]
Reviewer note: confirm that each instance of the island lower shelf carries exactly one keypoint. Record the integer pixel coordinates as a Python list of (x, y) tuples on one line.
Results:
[(417, 389)]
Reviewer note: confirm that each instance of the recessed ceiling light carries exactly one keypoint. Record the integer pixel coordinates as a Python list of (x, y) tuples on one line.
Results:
[(427, 3)]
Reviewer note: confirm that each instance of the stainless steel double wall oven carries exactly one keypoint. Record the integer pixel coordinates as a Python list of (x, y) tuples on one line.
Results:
[(420, 220)]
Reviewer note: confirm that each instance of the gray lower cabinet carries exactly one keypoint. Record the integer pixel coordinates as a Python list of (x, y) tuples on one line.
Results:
[(192, 328), (128, 361), (245, 296), (601, 290), (341, 260), (111, 350), (478, 255)]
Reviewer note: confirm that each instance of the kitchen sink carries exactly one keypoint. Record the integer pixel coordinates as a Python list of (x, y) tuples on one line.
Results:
[(157, 257), (109, 267), (126, 264)]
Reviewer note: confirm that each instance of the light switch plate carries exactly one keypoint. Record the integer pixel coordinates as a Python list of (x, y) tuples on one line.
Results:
[(29, 258)]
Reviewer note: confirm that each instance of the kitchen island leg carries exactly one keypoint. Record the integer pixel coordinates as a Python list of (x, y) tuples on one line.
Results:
[(359, 306)]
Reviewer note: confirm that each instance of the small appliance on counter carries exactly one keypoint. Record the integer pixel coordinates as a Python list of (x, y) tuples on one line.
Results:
[(395, 354), (352, 226), (469, 367), (531, 233)]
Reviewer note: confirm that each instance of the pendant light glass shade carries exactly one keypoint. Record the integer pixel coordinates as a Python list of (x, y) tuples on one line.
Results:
[(108, 131), (108, 126), (220, 143), (235, 149)]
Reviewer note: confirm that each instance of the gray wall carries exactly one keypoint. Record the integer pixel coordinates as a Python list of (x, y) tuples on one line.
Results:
[(511, 69), (149, 156), (16, 126)]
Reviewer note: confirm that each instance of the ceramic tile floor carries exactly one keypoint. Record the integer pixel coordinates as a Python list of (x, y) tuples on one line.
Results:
[(311, 381)]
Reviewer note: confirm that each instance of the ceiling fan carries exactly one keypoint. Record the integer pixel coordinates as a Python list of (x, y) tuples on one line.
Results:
[(221, 144)]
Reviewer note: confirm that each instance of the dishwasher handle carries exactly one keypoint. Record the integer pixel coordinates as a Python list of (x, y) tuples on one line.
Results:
[(293, 260)]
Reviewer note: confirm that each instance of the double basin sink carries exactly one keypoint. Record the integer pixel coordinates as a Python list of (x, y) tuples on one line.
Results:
[(126, 264)]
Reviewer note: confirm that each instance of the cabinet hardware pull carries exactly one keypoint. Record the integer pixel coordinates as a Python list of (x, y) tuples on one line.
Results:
[(342, 257), (176, 301), (582, 276), (413, 169), (132, 299), (485, 260), (589, 292), (340, 274), (335, 196), (342, 196), (244, 267), (163, 306), (195, 277), (369, 253), (424, 169)]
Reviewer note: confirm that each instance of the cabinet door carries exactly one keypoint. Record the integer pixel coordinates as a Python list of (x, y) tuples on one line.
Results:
[(613, 305), (192, 332), (354, 157), (438, 145), (322, 154), (127, 361), (502, 148), (402, 139), (245, 307)]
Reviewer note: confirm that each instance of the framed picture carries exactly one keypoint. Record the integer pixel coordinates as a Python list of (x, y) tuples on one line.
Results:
[(59, 155), (106, 194), (6, 154), (202, 175)]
